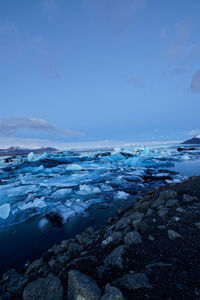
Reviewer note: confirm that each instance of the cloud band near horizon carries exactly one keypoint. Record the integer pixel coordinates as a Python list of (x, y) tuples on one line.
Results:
[(10, 127)]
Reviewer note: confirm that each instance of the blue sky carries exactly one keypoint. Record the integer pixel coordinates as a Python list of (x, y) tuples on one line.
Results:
[(91, 70)]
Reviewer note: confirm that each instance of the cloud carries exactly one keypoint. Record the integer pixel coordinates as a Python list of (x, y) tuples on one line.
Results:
[(137, 82), (193, 132), (10, 126), (195, 83), (51, 9)]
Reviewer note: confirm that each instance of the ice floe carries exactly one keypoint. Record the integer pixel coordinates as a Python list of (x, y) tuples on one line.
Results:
[(122, 195), (4, 211), (40, 184)]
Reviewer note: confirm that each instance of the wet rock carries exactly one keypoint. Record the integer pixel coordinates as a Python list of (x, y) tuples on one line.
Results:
[(49, 288), (112, 293), (120, 211), (110, 220), (132, 238), (158, 203), (134, 281), (74, 248), (63, 258), (114, 259), (56, 249), (135, 216), (46, 256), (143, 227), (65, 244), (121, 224), (185, 149), (36, 264), (142, 207), (188, 198), (168, 194), (89, 230), (52, 263), (112, 240), (173, 234), (84, 239), (171, 203), (163, 212), (55, 219), (180, 210), (7, 275), (82, 287), (83, 262), (16, 284), (149, 212), (136, 224)]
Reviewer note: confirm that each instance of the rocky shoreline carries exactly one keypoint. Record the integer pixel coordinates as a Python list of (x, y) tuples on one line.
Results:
[(150, 251)]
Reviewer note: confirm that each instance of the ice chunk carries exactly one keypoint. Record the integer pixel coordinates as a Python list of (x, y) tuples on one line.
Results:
[(85, 189), (61, 193), (38, 203), (31, 156), (20, 190), (106, 188), (4, 210), (43, 223), (74, 167), (64, 212), (122, 195)]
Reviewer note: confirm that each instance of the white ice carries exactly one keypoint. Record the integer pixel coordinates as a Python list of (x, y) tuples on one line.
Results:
[(31, 156), (74, 167), (122, 195), (37, 203), (61, 193), (4, 210), (85, 189)]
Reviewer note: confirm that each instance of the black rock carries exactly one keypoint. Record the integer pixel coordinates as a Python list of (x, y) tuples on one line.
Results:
[(55, 219)]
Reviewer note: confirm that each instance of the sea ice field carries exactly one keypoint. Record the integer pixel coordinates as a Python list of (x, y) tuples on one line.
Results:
[(49, 197)]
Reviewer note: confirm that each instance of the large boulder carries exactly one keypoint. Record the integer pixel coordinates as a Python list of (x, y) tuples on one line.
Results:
[(132, 237), (82, 287), (114, 259), (49, 288)]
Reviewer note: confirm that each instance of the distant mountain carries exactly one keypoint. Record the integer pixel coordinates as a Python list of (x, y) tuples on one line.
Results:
[(193, 141), (24, 151)]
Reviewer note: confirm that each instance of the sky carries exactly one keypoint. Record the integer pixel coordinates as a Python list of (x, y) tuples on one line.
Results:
[(85, 71)]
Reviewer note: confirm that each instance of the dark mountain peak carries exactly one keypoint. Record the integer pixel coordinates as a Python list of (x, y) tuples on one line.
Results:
[(192, 141), (24, 151)]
